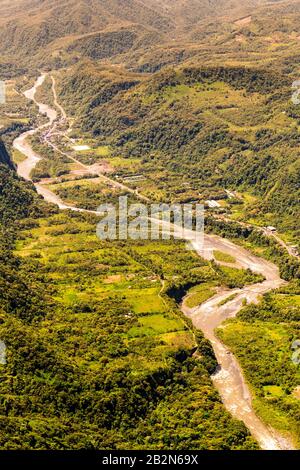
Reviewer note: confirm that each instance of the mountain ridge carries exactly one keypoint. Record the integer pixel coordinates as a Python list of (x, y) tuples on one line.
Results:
[(31, 27)]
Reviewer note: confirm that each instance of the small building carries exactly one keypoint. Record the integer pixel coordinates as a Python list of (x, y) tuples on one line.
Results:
[(272, 229), (212, 204)]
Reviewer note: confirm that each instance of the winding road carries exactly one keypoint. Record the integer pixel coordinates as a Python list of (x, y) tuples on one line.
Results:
[(228, 379)]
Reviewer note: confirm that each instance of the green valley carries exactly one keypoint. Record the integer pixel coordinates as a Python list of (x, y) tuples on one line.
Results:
[(166, 343)]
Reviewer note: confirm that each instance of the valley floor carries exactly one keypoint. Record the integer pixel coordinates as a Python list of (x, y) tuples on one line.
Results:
[(229, 379)]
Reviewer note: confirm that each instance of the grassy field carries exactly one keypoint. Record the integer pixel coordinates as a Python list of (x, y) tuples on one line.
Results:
[(85, 270), (199, 294)]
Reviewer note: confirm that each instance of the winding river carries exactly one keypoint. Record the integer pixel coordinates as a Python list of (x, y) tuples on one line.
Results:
[(228, 379)]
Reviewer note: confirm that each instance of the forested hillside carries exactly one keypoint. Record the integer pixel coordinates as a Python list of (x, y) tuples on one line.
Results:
[(214, 127), (111, 372), (185, 101), (50, 34)]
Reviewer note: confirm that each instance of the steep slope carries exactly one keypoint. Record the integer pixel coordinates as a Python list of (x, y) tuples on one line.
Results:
[(33, 25), (215, 127), (4, 156), (189, 12), (30, 26)]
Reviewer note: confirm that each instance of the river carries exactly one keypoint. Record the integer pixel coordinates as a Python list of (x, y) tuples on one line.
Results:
[(228, 379)]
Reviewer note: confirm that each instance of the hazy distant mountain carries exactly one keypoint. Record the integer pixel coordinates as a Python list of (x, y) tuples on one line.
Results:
[(28, 25)]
